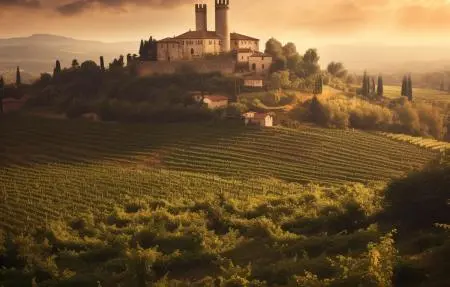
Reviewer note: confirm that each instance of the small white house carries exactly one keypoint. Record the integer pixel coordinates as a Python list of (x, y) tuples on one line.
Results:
[(254, 81), (261, 119), (216, 102)]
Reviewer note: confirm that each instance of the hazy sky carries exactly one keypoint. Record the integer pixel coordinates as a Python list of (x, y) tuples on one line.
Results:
[(307, 23)]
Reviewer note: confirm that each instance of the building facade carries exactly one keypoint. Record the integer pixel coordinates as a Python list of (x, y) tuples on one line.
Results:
[(201, 42)]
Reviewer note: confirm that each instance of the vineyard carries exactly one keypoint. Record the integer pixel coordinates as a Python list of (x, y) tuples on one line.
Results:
[(425, 95), (52, 168)]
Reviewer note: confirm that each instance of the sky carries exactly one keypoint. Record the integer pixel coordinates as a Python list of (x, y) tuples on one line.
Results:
[(315, 22)]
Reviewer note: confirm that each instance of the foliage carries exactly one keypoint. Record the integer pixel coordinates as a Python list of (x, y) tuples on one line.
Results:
[(337, 69), (341, 112), (426, 192), (18, 77)]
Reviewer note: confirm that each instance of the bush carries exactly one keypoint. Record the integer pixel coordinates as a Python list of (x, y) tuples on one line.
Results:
[(420, 200)]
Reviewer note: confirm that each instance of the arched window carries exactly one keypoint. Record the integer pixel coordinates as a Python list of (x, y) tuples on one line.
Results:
[(192, 51), (254, 67)]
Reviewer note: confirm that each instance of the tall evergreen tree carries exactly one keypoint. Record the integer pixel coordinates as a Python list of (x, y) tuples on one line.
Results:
[(141, 49), (364, 87), (442, 86), (57, 69), (380, 88), (409, 88), (373, 86), (318, 86), (18, 77), (404, 87), (2, 93), (102, 63)]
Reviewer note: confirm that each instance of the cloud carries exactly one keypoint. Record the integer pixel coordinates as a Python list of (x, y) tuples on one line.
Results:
[(431, 16), (339, 16), (79, 6), (20, 3)]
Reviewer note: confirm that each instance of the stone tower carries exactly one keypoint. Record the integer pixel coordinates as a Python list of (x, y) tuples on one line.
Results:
[(201, 19), (222, 29)]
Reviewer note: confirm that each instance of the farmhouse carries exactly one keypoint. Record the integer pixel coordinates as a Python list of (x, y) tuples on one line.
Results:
[(261, 119), (211, 101), (215, 101), (254, 81)]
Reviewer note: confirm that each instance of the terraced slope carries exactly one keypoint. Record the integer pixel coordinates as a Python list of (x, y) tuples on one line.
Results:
[(50, 168)]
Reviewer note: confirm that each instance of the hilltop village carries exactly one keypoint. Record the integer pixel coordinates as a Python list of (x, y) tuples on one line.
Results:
[(202, 49)]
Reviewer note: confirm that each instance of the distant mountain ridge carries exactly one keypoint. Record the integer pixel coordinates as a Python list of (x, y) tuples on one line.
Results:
[(37, 53)]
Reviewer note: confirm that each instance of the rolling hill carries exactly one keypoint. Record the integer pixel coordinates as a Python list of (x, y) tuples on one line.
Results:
[(37, 54), (53, 168)]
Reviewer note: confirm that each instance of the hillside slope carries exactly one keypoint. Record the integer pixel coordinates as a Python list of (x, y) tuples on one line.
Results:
[(51, 168)]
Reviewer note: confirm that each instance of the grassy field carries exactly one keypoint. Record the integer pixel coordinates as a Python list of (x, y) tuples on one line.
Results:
[(426, 95), (51, 168)]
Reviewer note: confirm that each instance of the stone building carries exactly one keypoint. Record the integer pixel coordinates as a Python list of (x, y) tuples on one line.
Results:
[(196, 44)]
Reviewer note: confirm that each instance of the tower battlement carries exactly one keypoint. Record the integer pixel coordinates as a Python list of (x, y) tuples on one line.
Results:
[(222, 4), (200, 7)]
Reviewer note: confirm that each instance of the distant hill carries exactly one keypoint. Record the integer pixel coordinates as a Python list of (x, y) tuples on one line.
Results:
[(38, 53), (379, 58)]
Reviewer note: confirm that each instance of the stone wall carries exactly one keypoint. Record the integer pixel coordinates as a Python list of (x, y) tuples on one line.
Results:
[(201, 66)]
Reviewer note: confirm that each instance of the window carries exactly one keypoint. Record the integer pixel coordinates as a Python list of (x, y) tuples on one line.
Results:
[(192, 51), (254, 67), (242, 58), (210, 42), (262, 66)]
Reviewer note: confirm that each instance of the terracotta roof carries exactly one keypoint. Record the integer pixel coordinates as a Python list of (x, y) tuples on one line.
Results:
[(216, 98), (236, 36), (198, 35), (168, 39)]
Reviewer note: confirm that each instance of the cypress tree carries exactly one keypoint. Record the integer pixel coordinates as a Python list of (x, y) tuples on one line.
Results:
[(380, 88), (442, 87), (364, 85), (102, 63), (141, 50), (373, 86), (409, 89), (404, 87), (2, 91), (57, 69), (18, 77)]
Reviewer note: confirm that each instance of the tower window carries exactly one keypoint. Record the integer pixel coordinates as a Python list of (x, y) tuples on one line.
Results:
[(263, 66)]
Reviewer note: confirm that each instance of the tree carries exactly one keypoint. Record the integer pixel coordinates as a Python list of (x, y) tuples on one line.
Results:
[(2, 93), (409, 89), (279, 80), (318, 86), (336, 69), (373, 86), (275, 49), (141, 49), (75, 64), (404, 87), (102, 63), (289, 50), (310, 64), (442, 86), (380, 88), (365, 85), (129, 59), (57, 69), (18, 77)]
